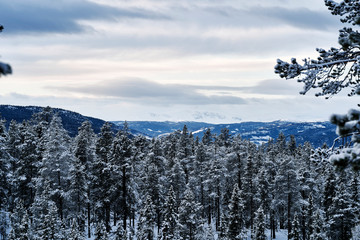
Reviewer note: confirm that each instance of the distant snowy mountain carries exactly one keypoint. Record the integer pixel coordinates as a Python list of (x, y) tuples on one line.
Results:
[(317, 133)]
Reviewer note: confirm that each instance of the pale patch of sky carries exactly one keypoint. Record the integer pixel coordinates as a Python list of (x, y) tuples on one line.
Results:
[(164, 59)]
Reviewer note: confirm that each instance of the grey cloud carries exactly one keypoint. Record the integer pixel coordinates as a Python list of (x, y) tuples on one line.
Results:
[(61, 16), (274, 87), (266, 87), (147, 92), (260, 16), (299, 17)]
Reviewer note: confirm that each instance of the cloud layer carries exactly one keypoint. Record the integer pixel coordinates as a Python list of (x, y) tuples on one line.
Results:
[(158, 59), (61, 16), (147, 92)]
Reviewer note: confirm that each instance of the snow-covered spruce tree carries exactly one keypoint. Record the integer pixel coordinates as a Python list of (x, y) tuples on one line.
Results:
[(5, 159), (184, 151), (74, 233), (341, 214), (260, 224), (146, 220), (309, 220), (46, 223), (318, 232), (216, 180), (25, 165), (295, 233), (120, 233), (201, 161), (101, 175), (4, 224), (236, 223), (100, 232), (154, 182), (84, 151), (170, 226), (78, 196), (329, 192), (154, 188), (205, 233), (120, 156), (188, 215), (54, 166), (334, 70), (286, 190), (19, 221)]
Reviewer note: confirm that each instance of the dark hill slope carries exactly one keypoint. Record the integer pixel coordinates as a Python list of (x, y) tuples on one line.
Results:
[(71, 120)]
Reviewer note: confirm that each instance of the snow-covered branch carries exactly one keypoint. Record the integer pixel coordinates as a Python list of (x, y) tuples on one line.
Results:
[(5, 69)]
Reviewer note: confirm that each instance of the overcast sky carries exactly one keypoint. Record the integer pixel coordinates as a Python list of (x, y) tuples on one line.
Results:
[(197, 60)]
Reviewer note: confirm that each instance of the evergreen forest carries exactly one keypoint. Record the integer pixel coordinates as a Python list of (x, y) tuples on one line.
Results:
[(119, 186)]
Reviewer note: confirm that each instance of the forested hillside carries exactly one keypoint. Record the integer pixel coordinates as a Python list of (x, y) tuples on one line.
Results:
[(113, 186)]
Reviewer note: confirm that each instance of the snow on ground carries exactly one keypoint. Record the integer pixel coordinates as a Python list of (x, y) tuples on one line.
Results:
[(280, 234)]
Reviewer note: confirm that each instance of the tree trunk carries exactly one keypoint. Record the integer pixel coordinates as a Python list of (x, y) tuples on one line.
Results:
[(273, 227), (89, 217), (124, 196)]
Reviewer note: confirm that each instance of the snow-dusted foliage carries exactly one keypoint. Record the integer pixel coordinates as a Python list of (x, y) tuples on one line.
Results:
[(4, 67), (117, 186), (334, 70)]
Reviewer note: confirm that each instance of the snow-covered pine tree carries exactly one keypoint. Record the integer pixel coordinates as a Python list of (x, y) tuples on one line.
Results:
[(170, 226), (201, 161), (249, 190), (100, 232), (19, 221), (341, 214), (205, 232), (329, 192), (286, 188), (120, 233), (332, 71), (259, 224), (78, 193), (309, 219), (121, 153), (154, 187), (146, 221), (50, 226), (25, 228), (207, 138), (101, 175), (216, 181), (75, 233), (44, 213), (188, 215), (184, 151), (236, 223), (84, 150), (177, 179), (54, 166), (4, 224), (26, 164), (295, 233), (222, 232), (4, 165), (319, 222)]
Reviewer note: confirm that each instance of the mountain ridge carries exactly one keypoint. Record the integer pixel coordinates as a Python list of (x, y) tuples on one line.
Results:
[(317, 132)]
